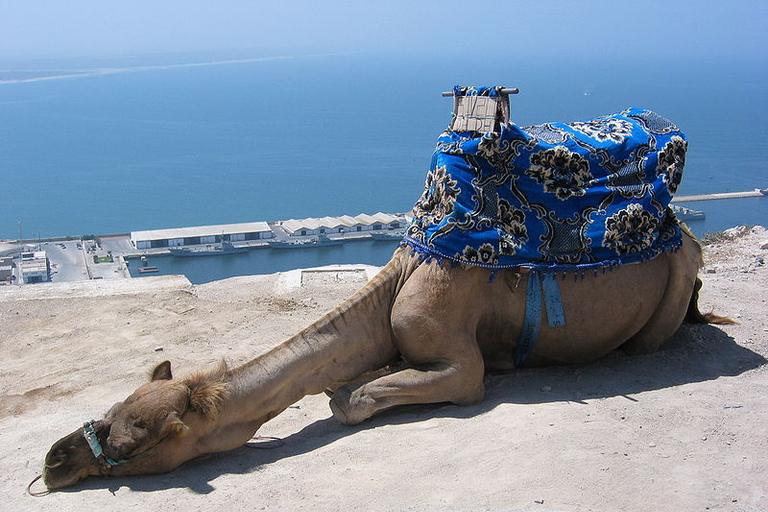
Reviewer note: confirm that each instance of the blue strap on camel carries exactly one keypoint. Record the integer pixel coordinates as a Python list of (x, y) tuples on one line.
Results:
[(548, 199)]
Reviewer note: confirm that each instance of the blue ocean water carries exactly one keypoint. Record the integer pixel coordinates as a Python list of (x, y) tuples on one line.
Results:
[(145, 146)]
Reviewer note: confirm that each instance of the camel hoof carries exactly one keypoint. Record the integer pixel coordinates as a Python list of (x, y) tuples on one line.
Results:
[(338, 413), (342, 409)]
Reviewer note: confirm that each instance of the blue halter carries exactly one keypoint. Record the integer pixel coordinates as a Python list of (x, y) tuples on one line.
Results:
[(89, 433)]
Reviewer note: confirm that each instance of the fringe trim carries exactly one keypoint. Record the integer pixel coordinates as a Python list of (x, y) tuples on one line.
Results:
[(579, 270)]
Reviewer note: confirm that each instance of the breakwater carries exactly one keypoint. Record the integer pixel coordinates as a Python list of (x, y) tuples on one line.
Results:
[(721, 195)]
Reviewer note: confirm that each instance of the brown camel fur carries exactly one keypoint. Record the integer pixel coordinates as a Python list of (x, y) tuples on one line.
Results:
[(448, 326)]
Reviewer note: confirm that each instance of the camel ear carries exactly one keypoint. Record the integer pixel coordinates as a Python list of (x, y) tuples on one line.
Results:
[(162, 371), (174, 425)]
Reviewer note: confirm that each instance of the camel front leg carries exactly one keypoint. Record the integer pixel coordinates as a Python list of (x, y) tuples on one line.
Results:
[(436, 335), (456, 381)]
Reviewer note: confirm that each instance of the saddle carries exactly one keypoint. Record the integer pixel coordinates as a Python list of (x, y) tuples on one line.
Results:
[(555, 197)]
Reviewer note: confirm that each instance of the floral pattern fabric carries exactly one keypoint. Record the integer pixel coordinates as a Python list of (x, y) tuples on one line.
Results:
[(558, 197)]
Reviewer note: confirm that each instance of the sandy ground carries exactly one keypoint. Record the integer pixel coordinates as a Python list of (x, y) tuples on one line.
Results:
[(683, 429)]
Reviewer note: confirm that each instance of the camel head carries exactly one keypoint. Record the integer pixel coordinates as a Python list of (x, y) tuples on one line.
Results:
[(152, 431)]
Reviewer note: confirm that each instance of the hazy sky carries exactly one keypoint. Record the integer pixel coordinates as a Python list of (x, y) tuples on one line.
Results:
[(51, 28)]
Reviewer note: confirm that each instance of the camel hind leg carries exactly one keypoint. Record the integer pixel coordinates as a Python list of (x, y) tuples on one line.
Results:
[(678, 303), (667, 319)]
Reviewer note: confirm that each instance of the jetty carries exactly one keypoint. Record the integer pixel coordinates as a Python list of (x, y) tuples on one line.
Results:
[(721, 195)]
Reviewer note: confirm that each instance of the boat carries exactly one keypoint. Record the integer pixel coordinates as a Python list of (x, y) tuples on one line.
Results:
[(208, 250), (306, 243), (686, 214), (147, 270), (384, 236)]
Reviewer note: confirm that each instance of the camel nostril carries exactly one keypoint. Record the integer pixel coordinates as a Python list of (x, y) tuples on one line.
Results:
[(56, 460), (55, 464)]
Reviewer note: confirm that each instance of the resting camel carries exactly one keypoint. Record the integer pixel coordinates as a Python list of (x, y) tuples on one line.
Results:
[(421, 331)]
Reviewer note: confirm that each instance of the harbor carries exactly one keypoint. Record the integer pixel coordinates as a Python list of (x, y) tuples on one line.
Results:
[(260, 248), (209, 253)]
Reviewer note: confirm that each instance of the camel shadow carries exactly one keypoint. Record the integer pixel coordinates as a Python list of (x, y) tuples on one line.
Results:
[(696, 353)]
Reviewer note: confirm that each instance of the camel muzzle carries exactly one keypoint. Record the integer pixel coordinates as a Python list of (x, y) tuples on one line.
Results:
[(68, 462)]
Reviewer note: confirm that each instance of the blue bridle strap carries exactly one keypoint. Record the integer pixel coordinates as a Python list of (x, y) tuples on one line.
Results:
[(89, 433)]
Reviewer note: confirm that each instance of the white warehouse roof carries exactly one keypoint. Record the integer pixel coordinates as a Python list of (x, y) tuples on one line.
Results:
[(294, 225), (195, 231)]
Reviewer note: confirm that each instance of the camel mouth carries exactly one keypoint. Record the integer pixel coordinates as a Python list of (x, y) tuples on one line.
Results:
[(66, 463), (58, 476)]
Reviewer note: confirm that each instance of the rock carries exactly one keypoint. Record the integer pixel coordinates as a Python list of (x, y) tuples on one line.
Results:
[(764, 244), (736, 231)]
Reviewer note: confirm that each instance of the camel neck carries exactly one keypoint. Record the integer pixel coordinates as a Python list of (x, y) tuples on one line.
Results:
[(351, 340)]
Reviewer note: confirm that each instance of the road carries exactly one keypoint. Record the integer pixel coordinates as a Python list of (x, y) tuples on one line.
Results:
[(66, 260), (73, 261)]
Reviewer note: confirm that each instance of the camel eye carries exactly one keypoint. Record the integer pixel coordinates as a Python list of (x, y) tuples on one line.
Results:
[(140, 425)]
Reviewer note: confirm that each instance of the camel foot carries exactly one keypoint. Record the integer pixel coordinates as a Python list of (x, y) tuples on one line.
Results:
[(343, 409), (338, 413)]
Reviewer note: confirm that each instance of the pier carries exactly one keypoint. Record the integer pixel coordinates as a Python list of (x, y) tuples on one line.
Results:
[(721, 195)]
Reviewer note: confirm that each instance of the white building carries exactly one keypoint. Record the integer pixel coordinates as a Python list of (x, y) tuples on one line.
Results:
[(197, 235), (34, 267), (345, 224), (6, 269), (324, 226)]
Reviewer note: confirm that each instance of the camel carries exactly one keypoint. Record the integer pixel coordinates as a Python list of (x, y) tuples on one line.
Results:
[(407, 313), (443, 313)]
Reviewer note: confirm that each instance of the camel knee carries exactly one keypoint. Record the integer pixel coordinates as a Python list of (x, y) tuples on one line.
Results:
[(471, 396), (465, 385)]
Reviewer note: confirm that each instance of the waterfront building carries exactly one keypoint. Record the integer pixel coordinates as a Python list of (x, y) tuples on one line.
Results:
[(34, 267), (197, 235), (6, 269), (344, 224)]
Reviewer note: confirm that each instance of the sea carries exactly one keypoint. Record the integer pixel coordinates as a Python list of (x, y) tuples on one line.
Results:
[(94, 146)]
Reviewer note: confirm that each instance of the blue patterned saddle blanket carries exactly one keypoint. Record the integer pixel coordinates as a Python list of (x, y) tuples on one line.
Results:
[(556, 197)]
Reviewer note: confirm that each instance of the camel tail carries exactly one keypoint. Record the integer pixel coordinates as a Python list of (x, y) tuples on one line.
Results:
[(694, 316)]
